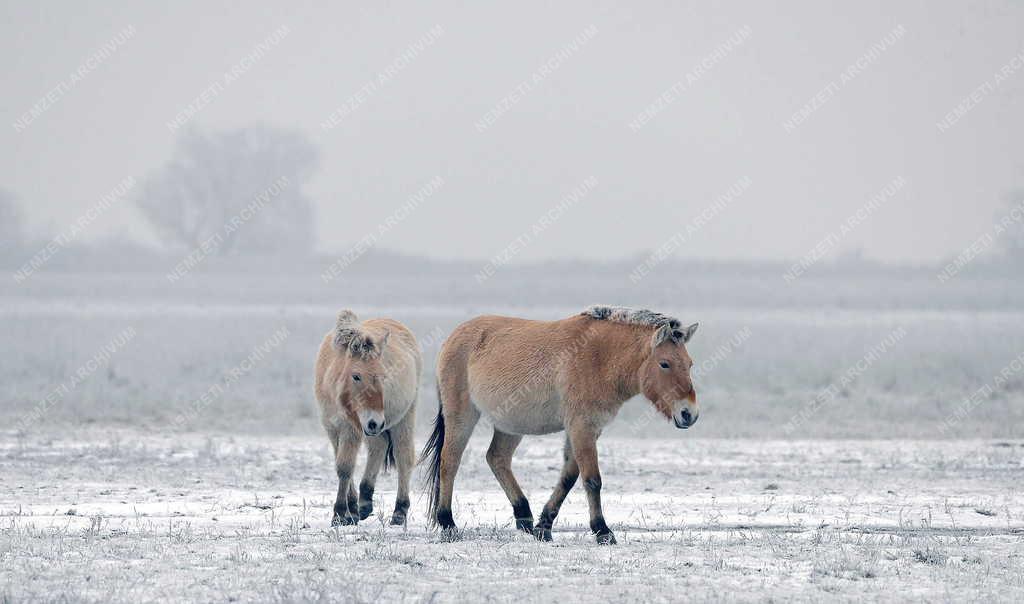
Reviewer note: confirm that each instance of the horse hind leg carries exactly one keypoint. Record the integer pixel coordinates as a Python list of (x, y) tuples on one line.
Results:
[(456, 418), (499, 457), (458, 428), (570, 473)]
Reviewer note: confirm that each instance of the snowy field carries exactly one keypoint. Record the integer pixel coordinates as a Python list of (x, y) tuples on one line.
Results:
[(860, 439), (133, 516)]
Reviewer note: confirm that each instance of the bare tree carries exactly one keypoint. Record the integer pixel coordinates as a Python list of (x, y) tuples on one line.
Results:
[(234, 192)]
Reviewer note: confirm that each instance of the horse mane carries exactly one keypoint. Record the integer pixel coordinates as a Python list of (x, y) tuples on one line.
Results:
[(630, 316), (349, 336)]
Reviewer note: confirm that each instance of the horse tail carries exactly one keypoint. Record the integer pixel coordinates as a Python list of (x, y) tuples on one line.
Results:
[(432, 453)]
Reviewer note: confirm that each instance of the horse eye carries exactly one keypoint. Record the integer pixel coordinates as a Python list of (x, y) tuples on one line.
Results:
[(356, 377), (664, 364)]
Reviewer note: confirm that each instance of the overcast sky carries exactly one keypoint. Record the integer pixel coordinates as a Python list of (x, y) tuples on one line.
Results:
[(723, 126)]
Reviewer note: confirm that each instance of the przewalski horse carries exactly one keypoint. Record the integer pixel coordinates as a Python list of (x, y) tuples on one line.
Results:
[(538, 377), (367, 379)]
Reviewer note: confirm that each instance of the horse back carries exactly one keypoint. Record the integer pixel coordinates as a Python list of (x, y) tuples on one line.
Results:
[(507, 352)]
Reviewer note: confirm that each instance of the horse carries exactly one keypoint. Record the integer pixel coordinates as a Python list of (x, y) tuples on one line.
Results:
[(366, 384), (539, 377)]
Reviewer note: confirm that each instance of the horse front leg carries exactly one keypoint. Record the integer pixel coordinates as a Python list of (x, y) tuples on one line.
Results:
[(345, 511), (404, 447), (376, 451), (583, 437)]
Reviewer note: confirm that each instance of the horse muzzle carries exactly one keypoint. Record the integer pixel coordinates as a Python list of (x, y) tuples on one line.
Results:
[(685, 418), (373, 423)]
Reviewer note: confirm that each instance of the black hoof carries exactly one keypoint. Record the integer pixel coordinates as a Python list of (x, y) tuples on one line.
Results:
[(344, 520), (445, 520), (365, 511), (397, 519), (606, 538), (542, 534), (451, 534), (525, 524)]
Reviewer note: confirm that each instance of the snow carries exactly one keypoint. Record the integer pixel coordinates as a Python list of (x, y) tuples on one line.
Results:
[(125, 515)]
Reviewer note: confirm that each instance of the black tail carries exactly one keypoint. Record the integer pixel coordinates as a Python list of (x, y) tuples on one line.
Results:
[(432, 451), (389, 455)]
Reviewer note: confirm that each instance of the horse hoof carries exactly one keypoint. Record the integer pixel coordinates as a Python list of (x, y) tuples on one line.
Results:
[(524, 524), (542, 534), (365, 511), (606, 539), (342, 520), (398, 520)]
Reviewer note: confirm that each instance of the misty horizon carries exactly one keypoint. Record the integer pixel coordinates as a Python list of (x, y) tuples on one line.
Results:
[(819, 111)]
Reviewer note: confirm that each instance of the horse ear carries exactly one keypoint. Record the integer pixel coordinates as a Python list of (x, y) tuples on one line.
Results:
[(671, 331), (368, 347), (345, 329), (661, 335), (689, 331)]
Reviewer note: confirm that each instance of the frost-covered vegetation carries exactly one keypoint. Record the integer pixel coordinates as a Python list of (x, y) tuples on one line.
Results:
[(824, 365), (130, 515)]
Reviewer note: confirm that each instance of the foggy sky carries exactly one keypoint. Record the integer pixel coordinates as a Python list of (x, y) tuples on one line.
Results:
[(568, 123)]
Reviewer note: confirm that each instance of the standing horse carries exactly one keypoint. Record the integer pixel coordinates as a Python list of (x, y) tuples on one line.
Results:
[(539, 377), (367, 378)]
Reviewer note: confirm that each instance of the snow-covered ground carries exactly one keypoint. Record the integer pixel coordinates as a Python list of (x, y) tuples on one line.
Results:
[(128, 515)]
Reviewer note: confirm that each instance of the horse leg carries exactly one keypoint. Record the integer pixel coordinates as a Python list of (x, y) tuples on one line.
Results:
[(499, 457), (570, 472), (458, 428), (376, 450), (402, 439), (347, 448), (584, 446), (353, 505), (340, 513)]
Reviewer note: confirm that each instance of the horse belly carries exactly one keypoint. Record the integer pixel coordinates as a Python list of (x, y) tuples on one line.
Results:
[(536, 416)]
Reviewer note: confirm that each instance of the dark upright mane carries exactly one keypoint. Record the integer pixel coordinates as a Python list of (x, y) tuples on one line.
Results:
[(631, 316)]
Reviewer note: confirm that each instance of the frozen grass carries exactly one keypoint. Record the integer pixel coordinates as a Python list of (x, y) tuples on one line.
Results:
[(131, 516), (188, 339)]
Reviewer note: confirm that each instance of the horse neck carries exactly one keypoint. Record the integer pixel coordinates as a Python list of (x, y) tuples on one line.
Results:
[(631, 347)]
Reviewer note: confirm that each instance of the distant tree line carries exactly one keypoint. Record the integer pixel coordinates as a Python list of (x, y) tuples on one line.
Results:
[(243, 189), (12, 224), (1013, 216)]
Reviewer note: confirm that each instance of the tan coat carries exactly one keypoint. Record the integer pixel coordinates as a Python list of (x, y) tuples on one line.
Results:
[(366, 383), (538, 377)]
